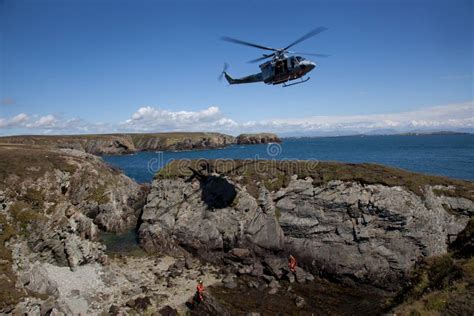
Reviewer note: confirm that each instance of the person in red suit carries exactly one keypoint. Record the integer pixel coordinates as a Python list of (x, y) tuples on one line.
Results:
[(200, 291), (292, 263)]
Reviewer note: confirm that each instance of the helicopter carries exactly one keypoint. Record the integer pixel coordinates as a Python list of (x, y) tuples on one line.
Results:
[(281, 68)]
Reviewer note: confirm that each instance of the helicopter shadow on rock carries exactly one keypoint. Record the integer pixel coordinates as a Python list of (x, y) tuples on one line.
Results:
[(216, 191)]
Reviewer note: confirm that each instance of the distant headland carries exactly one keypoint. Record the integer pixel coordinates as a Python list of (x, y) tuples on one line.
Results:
[(122, 144)]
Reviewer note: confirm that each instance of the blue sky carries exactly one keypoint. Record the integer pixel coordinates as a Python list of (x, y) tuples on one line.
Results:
[(107, 66)]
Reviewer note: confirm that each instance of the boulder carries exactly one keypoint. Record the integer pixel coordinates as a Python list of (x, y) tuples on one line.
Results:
[(302, 276), (274, 284), (239, 252), (190, 263), (300, 302), (257, 270), (273, 290), (275, 266)]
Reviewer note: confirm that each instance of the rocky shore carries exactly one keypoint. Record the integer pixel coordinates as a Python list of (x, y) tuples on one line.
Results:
[(119, 144), (368, 238)]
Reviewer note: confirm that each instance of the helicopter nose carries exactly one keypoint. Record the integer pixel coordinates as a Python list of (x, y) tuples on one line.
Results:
[(308, 65)]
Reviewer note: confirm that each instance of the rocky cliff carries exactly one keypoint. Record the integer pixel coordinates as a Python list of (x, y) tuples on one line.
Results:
[(119, 144), (180, 141), (261, 138), (233, 225), (353, 222), (52, 204)]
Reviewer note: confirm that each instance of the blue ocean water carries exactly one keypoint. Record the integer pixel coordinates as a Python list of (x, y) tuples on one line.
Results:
[(447, 155)]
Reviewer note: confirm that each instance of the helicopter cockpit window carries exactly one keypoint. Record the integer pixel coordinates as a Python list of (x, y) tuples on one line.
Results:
[(298, 58)]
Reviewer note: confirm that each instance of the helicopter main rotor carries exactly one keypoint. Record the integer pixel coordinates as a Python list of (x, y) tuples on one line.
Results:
[(279, 52)]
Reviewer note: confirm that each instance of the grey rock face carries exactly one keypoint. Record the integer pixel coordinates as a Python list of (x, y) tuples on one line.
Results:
[(54, 210), (367, 233), (176, 212), (373, 233)]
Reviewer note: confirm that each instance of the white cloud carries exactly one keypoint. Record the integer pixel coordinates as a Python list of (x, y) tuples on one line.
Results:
[(16, 121), (439, 117), (52, 124), (48, 121), (154, 119)]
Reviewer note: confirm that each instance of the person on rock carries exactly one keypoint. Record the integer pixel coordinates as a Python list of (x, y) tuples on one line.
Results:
[(292, 263), (200, 291)]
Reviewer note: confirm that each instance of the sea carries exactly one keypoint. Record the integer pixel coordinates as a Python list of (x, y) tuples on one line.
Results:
[(450, 155)]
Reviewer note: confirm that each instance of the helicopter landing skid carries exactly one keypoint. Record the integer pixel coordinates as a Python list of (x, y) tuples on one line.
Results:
[(292, 84)]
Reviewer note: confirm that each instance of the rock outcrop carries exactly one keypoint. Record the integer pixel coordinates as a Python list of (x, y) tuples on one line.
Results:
[(52, 204), (260, 138), (180, 141), (363, 223)]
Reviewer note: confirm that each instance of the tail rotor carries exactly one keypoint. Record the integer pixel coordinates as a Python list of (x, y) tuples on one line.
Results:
[(226, 66)]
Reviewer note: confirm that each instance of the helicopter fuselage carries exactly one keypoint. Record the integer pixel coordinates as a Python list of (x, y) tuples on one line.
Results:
[(277, 71), (281, 68)]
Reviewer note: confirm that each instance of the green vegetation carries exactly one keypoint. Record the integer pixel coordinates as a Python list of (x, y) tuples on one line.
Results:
[(276, 174), (444, 284), (31, 161), (25, 216), (99, 194), (34, 198), (8, 293)]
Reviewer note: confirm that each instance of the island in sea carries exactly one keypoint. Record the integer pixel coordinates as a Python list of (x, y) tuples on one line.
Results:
[(368, 239)]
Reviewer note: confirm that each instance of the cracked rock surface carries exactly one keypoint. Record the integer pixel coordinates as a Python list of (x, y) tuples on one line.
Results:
[(370, 233)]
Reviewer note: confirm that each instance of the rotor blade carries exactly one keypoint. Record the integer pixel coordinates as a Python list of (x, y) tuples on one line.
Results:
[(310, 54), (314, 32), (233, 40), (261, 58), (226, 66)]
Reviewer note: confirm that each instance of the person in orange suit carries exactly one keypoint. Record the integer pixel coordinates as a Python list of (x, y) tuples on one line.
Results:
[(200, 291), (292, 263)]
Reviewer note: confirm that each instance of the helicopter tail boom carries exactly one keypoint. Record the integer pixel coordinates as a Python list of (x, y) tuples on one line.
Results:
[(248, 79)]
